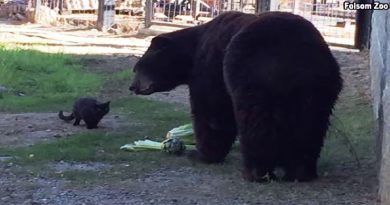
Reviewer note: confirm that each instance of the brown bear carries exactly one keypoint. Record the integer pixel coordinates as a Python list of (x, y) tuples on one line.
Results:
[(269, 79)]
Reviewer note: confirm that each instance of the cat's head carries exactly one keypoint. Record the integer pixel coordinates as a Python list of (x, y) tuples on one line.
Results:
[(102, 108)]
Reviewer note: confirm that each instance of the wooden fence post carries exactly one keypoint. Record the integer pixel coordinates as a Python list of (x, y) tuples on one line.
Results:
[(296, 6), (362, 30), (262, 6), (195, 8), (274, 5), (37, 11), (229, 5), (106, 14), (148, 13)]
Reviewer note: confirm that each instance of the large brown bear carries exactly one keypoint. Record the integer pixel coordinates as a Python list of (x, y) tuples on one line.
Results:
[(270, 79)]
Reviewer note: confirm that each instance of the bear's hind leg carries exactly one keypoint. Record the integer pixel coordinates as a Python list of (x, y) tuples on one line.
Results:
[(301, 168), (258, 140), (309, 131)]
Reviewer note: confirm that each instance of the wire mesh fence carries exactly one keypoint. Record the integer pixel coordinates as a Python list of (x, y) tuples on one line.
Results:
[(192, 12), (12, 8), (128, 16), (336, 24)]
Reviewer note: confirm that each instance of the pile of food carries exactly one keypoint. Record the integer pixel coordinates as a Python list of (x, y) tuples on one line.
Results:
[(177, 141)]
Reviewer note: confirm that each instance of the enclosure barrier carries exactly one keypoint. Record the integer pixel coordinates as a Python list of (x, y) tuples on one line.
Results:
[(338, 26), (185, 13)]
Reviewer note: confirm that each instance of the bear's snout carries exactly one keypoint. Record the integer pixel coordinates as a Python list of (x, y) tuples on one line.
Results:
[(139, 88)]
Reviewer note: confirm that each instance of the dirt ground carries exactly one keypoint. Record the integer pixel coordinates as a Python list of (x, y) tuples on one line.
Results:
[(187, 185)]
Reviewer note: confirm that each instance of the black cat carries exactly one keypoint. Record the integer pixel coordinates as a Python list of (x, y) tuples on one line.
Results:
[(88, 109)]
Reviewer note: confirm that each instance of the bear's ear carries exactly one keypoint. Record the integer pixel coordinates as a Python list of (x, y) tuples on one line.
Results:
[(161, 41)]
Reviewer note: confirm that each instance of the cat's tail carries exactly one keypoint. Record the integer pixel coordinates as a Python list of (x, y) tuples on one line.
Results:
[(66, 118)]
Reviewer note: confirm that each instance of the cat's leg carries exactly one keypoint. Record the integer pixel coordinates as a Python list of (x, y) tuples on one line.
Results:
[(77, 121), (77, 117)]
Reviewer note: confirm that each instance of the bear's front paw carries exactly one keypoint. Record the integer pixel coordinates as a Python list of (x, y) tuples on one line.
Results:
[(196, 156), (257, 175), (300, 173)]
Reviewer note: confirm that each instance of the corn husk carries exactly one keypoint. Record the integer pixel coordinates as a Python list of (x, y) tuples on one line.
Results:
[(170, 146), (142, 145), (177, 141), (184, 132)]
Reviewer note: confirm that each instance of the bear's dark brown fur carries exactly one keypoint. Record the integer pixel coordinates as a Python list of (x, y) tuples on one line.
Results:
[(269, 78)]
